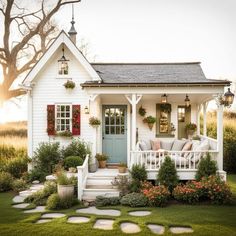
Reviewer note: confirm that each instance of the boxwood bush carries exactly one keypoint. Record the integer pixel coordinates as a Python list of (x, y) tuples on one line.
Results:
[(134, 200), (6, 181), (73, 161), (107, 201)]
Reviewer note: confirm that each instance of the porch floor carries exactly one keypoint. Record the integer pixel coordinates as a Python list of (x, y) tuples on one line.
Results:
[(106, 172)]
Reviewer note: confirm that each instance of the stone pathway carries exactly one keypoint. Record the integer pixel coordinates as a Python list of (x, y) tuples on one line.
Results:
[(156, 229), (53, 215), (78, 219), (104, 224), (130, 228), (181, 230), (41, 221), (18, 199), (21, 205), (95, 211), (139, 213), (36, 209)]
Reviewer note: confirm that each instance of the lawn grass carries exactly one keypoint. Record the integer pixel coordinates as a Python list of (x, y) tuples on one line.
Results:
[(204, 219)]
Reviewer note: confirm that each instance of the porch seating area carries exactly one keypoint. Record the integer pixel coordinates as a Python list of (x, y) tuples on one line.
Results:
[(185, 153)]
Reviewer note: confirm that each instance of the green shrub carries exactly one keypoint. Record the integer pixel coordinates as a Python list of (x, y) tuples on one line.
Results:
[(167, 174), (206, 167), (40, 197), (46, 156), (107, 201), (17, 166), (134, 200), (6, 181), (138, 174), (8, 151), (53, 202), (73, 161), (19, 185), (157, 195), (76, 148), (62, 179), (36, 174)]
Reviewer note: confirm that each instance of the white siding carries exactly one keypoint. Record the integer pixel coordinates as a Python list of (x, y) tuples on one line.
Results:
[(49, 89)]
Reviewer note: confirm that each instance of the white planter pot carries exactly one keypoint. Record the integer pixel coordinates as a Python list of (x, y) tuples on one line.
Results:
[(65, 191)]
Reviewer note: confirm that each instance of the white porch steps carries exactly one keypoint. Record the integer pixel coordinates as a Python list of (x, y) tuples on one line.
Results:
[(99, 183)]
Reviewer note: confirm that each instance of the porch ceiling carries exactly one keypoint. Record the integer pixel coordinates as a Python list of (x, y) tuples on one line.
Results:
[(172, 98)]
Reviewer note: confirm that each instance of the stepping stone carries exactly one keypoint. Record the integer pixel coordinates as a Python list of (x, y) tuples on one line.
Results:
[(51, 177), (35, 182), (21, 205), (95, 211), (130, 228), (103, 224), (26, 193), (37, 187), (156, 229), (140, 213), (18, 199), (181, 230), (78, 219), (53, 215), (36, 209), (41, 221)]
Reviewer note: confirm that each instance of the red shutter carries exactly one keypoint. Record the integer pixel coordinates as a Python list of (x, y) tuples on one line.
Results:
[(51, 119), (75, 119)]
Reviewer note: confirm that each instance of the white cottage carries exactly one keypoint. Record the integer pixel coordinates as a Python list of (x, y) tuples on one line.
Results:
[(173, 93)]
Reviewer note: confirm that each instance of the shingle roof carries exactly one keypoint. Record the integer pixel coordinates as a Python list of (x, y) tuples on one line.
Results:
[(152, 73)]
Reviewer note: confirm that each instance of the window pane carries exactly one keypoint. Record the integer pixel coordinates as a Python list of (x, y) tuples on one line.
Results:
[(117, 129), (117, 116), (62, 108), (67, 122), (62, 122), (112, 116), (62, 127), (112, 129), (67, 127), (107, 129), (67, 108), (67, 114), (122, 130)]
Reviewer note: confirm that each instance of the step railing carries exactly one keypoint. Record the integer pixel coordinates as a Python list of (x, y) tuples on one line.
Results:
[(82, 173)]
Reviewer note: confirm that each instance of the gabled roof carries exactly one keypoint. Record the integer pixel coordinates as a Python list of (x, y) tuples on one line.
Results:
[(61, 38), (151, 73)]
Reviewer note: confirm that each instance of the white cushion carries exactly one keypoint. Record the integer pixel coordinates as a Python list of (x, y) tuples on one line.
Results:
[(203, 146), (178, 145), (167, 145), (143, 146)]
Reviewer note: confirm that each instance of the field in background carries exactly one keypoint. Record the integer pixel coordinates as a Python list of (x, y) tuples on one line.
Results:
[(14, 134)]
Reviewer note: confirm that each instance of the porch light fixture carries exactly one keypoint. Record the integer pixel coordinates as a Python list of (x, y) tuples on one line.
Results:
[(164, 98), (228, 98), (187, 101), (86, 110), (63, 64)]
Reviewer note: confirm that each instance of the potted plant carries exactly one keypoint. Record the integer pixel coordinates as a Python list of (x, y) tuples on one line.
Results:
[(69, 84), (65, 186), (142, 111), (94, 122), (150, 120), (102, 160), (172, 128), (190, 129), (93, 164), (122, 167)]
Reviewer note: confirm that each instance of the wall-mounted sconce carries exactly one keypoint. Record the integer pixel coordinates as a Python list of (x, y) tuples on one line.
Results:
[(86, 110), (164, 99)]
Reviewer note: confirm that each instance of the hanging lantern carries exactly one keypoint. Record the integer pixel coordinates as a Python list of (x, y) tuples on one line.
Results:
[(63, 64), (228, 98), (164, 98), (187, 101)]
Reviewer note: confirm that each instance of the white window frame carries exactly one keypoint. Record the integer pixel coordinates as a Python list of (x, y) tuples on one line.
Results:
[(63, 118)]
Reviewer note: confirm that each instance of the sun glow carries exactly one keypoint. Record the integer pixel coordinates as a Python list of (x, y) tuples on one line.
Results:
[(3, 118)]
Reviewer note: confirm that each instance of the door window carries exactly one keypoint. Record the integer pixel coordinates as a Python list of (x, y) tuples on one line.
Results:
[(115, 121)]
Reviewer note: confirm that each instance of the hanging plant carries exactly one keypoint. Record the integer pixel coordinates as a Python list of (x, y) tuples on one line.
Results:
[(166, 107), (69, 84), (142, 111), (150, 120), (94, 121)]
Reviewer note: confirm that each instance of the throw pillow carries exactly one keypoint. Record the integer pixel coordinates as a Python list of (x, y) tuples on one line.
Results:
[(167, 145), (156, 144), (178, 145), (143, 146)]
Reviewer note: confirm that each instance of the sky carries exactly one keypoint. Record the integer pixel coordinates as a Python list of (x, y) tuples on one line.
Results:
[(154, 31)]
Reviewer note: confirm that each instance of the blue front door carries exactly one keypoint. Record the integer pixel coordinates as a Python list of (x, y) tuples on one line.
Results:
[(115, 133)]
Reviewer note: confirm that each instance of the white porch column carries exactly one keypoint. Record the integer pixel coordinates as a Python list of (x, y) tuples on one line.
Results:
[(205, 118), (198, 119), (220, 130)]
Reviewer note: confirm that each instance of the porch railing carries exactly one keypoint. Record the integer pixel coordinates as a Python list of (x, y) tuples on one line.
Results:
[(82, 173), (184, 160)]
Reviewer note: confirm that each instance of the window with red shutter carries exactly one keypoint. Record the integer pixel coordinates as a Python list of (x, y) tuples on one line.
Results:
[(75, 119)]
